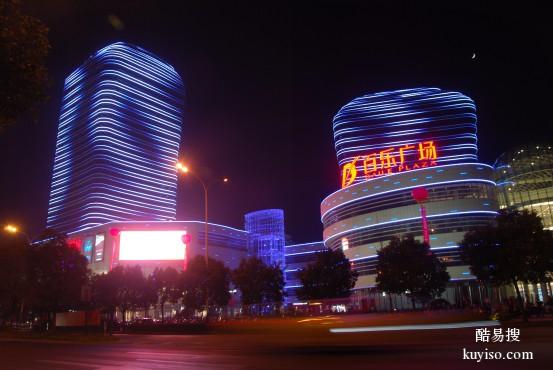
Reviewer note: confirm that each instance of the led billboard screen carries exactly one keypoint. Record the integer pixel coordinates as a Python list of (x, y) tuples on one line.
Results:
[(151, 245), (99, 248)]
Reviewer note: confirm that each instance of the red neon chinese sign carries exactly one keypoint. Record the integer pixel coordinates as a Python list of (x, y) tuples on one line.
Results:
[(391, 160)]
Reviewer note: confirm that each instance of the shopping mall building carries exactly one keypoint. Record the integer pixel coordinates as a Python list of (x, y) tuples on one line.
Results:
[(389, 144)]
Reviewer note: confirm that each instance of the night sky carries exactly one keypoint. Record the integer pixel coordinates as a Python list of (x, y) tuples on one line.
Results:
[(264, 81)]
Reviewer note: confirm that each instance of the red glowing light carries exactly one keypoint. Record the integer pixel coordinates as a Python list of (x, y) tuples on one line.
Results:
[(75, 243), (114, 231), (186, 238), (420, 194)]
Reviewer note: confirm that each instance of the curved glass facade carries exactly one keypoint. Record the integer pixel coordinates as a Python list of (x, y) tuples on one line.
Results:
[(383, 133), (525, 180), (118, 141)]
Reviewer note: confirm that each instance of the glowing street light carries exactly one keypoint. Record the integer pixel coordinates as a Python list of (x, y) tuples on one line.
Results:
[(184, 169), (12, 229)]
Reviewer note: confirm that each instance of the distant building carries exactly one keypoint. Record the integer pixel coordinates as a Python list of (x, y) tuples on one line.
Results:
[(389, 144), (297, 257), (266, 235), (118, 141), (524, 179)]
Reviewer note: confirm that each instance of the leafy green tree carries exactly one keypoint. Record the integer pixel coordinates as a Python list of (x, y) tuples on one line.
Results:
[(13, 276), (515, 249), (259, 283), (23, 49), (166, 283), (408, 266), (56, 275), (201, 285), (330, 276)]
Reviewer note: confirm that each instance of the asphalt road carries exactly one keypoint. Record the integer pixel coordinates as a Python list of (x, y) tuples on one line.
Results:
[(280, 347)]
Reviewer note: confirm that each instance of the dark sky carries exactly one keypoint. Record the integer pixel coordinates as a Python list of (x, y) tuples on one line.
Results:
[(263, 82)]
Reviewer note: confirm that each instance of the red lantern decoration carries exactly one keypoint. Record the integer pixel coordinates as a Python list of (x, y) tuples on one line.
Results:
[(420, 194), (186, 238)]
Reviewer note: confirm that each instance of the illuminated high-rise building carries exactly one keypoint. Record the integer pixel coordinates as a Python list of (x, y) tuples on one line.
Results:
[(389, 144), (118, 141)]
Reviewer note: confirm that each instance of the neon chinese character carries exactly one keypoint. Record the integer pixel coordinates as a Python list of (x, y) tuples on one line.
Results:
[(387, 159), (513, 334), (498, 335), (349, 173), (402, 151), (427, 151), (482, 335), (369, 165)]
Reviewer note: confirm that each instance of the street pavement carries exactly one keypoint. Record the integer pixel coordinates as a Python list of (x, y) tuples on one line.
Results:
[(284, 344)]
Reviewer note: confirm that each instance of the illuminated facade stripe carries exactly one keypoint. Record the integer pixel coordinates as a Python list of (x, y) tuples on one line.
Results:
[(266, 241), (118, 140), (393, 119)]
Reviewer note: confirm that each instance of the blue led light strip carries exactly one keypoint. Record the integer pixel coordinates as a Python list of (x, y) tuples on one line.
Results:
[(406, 219), (393, 119)]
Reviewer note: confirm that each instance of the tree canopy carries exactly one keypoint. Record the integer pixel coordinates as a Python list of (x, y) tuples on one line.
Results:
[(514, 249), (330, 276), (406, 265), (13, 275), (125, 288), (23, 49), (166, 284), (56, 275), (201, 284), (259, 283)]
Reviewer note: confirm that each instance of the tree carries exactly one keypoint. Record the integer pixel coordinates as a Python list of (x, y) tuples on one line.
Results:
[(105, 295), (408, 266), (166, 283), (203, 286), (23, 49), (13, 268), (515, 249), (259, 283), (130, 282), (124, 288), (56, 275), (330, 276)]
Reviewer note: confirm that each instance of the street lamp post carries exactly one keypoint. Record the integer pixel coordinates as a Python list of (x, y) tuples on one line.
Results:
[(15, 230), (205, 185)]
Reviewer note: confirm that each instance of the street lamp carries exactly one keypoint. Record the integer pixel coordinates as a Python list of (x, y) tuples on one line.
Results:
[(12, 229), (184, 169)]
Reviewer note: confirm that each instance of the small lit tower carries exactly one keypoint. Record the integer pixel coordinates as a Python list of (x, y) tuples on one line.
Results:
[(266, 235)]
